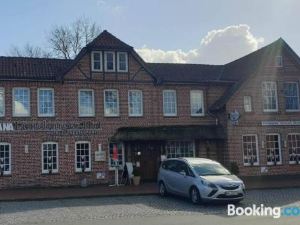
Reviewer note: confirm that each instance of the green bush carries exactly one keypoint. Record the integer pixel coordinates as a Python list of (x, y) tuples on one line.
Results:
[(136, 172), (234, 168)]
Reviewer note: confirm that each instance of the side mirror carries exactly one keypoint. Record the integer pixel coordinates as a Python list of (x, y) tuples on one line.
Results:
[(183, 173)]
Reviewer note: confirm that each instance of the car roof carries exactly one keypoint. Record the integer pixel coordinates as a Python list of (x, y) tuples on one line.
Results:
[(191, 160)]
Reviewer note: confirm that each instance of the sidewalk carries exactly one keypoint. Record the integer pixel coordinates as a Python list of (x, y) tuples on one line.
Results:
[(25, 194)]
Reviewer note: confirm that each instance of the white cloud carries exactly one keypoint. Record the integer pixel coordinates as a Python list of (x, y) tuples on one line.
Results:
[(217, 47)]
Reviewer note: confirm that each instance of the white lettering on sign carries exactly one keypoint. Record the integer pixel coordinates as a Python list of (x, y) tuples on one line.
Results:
[(280, 123), (6, 127)]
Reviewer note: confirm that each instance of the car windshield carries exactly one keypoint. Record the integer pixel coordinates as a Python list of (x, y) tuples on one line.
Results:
[(207, 169)]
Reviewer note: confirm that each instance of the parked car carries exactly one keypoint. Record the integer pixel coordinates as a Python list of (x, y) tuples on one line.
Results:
[(199, 179)]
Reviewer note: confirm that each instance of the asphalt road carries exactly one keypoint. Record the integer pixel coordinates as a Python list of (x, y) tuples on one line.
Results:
[(144, 210)]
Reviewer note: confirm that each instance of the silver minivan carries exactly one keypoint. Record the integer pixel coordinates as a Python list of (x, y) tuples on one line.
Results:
[(199, 179)]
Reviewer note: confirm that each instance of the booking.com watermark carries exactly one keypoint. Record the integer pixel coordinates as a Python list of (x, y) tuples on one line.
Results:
[(262, 210)]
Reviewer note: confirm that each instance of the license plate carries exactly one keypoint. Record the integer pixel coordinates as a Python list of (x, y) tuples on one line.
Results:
[(230, 193)]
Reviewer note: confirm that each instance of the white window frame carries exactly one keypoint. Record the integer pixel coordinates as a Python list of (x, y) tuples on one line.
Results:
[(287, 146), (202, 102), (93, 103), (280, 149), (257, 150), (123, 157), (164, 107), (132, 114), (118, 61), (79, 170), (248, 107), (276, 96), (38, 103), (118, 103), (105, 61), (57, 157), (177, 145), (3, 90), (10, 169), (292, 110), (93, 60), (279, 61), (13, 103)]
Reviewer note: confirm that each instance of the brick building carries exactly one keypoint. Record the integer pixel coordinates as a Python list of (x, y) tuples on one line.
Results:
[(61, 120)]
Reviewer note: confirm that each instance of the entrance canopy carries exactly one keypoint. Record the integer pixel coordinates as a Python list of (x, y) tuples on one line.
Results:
[(157, 133)]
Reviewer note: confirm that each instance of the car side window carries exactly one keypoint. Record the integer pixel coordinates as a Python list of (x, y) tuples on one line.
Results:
[(182, 167), (172, 165)]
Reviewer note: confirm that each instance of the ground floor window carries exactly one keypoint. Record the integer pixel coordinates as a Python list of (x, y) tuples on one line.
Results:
[(175, 149), (50, 157), (5, 159), (250, 150), (83, 156), (273, 149), (293, 144), (116, 148)]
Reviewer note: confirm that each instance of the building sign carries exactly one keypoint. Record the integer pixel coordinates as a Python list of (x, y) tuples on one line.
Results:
[(234, 117), (100, 156), (280, 123), (59, 128)]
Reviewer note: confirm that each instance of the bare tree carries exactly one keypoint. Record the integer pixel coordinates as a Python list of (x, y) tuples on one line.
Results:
[(67, 41)]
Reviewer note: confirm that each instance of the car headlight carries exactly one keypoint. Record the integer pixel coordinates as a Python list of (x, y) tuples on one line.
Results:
[(208, 184)]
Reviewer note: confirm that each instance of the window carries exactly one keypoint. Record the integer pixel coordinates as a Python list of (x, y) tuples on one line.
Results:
[(111, 103), (273, 149), (291, 92), (83, 156), (169, 103), (21, 102), (250, 150), (50, 157), (175, 149), (120, 151), (5, 158), (247, 104), (2, 102), (96, 61), (270, 103), (278, 61), (110, 61), (135, 103), (45, 102), (122, 62), (196, 98), (293, 145), (86, 102)]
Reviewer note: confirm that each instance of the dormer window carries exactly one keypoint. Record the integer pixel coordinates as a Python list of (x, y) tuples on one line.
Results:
[(122, 62), (97, 61), (278, 61), (109, 58)]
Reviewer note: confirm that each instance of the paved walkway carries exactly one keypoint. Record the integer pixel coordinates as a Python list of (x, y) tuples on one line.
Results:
[(23, 194)]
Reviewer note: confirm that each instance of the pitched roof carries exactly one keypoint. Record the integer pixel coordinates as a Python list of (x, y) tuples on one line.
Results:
[(32, 68)]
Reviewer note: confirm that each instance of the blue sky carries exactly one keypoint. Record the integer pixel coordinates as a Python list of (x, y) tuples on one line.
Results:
[(161, 30)]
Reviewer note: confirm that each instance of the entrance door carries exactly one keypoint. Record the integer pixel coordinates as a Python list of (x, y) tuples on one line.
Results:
[(150, 160)]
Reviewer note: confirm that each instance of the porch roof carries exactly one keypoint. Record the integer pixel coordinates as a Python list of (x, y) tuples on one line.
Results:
[(169, 133)]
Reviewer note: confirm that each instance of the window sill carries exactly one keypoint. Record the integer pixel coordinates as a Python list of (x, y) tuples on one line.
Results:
[(105, 116), (53, 173)]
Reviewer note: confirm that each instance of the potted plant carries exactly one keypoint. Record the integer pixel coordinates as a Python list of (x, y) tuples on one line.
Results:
[(136, 177)]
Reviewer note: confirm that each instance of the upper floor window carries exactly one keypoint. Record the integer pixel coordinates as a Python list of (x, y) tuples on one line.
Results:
[(196, 98), (111, 103), (169, 103), (293, 144), (250, 150), (2, 102), (135, 103), (273, 148), (291, 92), (83, 156), (269, 92), (86, 102), (5, 159), (21, 102), (109, 58), (122, 62), (45, 102), (247, 103), (278, 61), (49, 157), (97, 61)]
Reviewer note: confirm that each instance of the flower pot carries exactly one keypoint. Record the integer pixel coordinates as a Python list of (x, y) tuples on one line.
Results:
[(136, 180)]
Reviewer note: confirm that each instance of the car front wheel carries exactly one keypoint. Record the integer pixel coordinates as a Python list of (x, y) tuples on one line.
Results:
[(195, 195)]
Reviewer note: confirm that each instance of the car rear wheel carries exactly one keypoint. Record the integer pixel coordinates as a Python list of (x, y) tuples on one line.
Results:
[(162, 189), (195, 195)]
